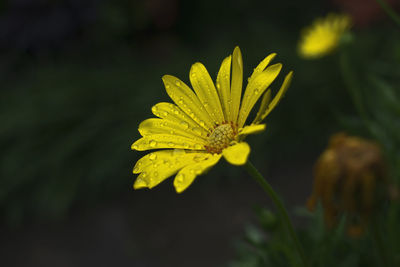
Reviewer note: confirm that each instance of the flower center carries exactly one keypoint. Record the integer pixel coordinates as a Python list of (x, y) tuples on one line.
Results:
[(220, 138)]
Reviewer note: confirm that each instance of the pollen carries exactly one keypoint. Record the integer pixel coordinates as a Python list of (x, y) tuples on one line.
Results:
[(220, 138)]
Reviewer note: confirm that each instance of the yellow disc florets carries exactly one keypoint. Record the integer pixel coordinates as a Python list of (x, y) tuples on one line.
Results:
[(220, 138)]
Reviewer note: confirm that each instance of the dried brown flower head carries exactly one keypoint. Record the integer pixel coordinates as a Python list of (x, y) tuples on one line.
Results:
[(347, 178)]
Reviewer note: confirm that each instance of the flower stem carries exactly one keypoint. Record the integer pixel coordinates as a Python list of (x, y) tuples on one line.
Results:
[(279, 205), (389, 11), (352, 85), (380, 247)]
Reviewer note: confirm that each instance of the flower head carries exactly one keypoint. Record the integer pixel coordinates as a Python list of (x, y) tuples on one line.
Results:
[(205, 124), (323, 36), (347, 180)]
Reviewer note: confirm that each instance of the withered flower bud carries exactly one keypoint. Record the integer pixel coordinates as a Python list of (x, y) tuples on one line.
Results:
[(348, 178)]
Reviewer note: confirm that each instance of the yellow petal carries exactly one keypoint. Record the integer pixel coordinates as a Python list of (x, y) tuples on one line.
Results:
[(279, 95), (173, 113), (237, 154), (224, 87), (158, 166), (255, 89), (159, 126), (206, 92), (263, 107), (251, 129), (186, 176), (237, 81), (139, 183), (263, 64), (157, 141), (187, 100)]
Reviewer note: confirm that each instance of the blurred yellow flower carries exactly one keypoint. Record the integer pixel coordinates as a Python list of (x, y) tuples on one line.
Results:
[(323, 36), (205, 124), (348, 177)]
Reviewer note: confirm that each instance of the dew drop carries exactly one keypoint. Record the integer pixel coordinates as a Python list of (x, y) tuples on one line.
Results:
[(197, 158), (186, 145), (135, 147), (165, 114), (218, 85), (205, 104), (155, 174), (202, 123), (152, 143), (153, 156), (178, 83), (256, 91), (170, 144), (184, 125), (143, 175), (136, 169), (154, 109), (167, 86), (180, 177)]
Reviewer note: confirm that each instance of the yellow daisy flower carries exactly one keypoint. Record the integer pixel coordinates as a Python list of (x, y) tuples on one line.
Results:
[(323, 36), (205, 124)]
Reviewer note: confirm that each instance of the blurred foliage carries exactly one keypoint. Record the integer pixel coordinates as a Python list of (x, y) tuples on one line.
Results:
[(267, 243)]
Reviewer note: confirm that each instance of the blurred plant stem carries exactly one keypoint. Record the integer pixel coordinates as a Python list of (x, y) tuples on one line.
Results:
[(352, 84), (353, 87), (379, 244), (389, 11), (279, 205)]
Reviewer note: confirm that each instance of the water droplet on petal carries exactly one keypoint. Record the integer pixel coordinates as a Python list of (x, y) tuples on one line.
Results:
[(185, 145), (155, 174), (165, 113), (184, 125), (202, 123), (170, 144), (135, 170), (135, 147), (152, 143), (180, 177), (153, 156), (256, 91), (143, 175), (197, 158), (178, 83)]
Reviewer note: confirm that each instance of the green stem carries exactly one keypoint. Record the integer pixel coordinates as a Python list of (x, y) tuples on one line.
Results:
[(380, 247), (352, 85), (279, 205), (389, 11)]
